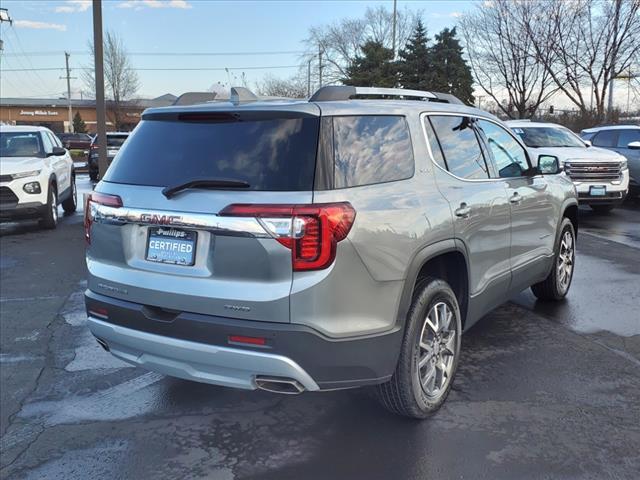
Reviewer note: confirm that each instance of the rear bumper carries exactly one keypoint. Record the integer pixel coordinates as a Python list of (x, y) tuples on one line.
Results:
[(229, 367), (197, 347)]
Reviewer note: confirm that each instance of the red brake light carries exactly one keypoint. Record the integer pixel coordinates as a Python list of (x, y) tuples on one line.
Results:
[(314, 229), (101, 199)]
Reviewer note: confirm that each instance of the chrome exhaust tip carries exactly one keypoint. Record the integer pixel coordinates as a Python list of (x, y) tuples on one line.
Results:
[(286, 386), (103, 344)]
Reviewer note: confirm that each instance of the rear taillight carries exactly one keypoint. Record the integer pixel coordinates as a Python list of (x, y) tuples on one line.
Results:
[(310, 231), (100, 199)]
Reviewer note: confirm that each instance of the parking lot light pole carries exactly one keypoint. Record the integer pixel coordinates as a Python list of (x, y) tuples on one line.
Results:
[(101, 122)]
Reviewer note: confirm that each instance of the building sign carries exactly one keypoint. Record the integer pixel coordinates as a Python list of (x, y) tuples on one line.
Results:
[(33, 113)]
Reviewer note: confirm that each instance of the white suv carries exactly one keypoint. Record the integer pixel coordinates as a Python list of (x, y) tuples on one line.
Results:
[(36, 175), (601, 176)]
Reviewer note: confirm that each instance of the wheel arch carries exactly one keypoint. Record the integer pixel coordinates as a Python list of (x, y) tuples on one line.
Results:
[(446, 260), (570, 211)]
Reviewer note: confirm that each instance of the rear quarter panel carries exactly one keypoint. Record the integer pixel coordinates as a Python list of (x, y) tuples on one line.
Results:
[(361, 293)]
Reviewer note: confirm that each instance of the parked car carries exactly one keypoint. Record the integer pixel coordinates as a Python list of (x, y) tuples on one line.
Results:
[(114, 142), (75, 141), (624, 139), (601, 176), (36, 175), (78, 144), (322, 244)]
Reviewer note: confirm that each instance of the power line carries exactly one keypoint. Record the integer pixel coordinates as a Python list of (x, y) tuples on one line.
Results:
[(168, 69), (166, 54)]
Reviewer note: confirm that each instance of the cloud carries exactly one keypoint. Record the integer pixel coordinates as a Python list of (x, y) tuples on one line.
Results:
[(455, 14), (72, 6), (140, 4), (39, 25)]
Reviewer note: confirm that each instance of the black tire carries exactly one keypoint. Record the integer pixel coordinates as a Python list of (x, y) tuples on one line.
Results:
[(93, 174), (553, 287), (404, 394), (602, 208), (50, 218), (71, 204)]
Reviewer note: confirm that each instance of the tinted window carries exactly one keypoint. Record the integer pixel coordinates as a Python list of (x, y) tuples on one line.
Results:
[(628, 136), (434, 144), (116, 140), (20, 144), (537, 137), (54, 140), (508, 155), (371, 149), (460, 146), (606, 138), (48, 146), (272, 154)]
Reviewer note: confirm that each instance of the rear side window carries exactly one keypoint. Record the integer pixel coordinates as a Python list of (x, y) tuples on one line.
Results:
[(628, 136), (371, 149), (434, 144), (460, 146), (606, 138), (116, 140), (269, 154)]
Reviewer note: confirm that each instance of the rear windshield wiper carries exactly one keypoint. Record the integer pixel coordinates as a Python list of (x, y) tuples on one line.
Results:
[(221, 183)]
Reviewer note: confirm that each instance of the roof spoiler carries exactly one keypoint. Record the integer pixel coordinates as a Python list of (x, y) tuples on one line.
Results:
[(346, 92)]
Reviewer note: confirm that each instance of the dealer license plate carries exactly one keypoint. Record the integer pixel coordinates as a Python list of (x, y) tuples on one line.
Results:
[(171, 245)]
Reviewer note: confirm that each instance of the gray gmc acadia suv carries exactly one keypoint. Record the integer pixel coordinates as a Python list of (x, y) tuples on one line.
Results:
[(338, 242)]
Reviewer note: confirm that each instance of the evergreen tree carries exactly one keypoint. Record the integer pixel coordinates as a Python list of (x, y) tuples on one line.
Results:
[(450, 72), (373, 69), (78, 124), (414, 64)]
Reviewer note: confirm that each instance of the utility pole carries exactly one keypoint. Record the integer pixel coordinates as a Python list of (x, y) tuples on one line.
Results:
[(618, 6), (68, 78), (309, 77), (319, 66), (101, 121), (395, 10), (4, 17)]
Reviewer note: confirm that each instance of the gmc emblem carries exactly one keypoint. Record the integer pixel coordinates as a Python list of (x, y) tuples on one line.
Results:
[(160, 219)]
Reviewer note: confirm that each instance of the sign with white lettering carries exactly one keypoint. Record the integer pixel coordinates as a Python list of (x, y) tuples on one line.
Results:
[(33, 113)]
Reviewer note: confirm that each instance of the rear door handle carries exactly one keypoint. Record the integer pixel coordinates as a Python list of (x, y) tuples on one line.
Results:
[(515, 198), (463, 211)]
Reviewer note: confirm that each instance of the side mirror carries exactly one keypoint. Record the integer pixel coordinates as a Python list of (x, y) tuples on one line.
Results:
[(634, 145), (57, 152), (548, 165), (587, 143)]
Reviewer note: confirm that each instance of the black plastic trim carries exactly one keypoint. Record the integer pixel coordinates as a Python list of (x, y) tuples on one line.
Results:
[(333, 363)]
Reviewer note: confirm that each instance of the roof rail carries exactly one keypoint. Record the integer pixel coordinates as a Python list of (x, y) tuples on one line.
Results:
[(345, 92), (242, 95)]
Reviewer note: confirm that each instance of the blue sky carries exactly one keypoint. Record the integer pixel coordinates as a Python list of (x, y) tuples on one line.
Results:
[(177, 26)]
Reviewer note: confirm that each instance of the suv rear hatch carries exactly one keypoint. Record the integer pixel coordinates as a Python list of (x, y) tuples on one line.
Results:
[(178, 250)]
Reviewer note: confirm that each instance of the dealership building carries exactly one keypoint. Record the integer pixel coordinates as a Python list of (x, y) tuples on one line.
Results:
[(53, 113)]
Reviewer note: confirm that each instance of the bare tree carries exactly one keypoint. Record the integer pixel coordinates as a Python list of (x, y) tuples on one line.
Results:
[(340, 42), (293, 87), (121, 80), (503, 60), (591, 43)]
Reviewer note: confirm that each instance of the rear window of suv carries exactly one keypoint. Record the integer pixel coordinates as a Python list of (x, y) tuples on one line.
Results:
[(276, 154)]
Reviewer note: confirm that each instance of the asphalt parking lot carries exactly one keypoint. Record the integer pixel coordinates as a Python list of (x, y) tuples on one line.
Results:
[(543, 391)]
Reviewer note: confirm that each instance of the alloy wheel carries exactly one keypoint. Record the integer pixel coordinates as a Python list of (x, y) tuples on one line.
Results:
[(564, 266), (437, 350)]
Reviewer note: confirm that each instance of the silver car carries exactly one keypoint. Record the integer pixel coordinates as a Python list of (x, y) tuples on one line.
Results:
[(322, 244)]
